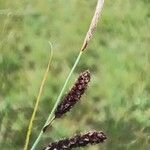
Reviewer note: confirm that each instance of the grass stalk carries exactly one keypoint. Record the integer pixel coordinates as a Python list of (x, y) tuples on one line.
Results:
[(37, 102), (51, 116)]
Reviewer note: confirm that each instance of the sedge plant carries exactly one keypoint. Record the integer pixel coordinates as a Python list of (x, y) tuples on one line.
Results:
[(57, 110)]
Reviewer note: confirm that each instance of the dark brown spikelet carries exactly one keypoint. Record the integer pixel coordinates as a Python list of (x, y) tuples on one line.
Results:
[(94, 137), (74, 95)]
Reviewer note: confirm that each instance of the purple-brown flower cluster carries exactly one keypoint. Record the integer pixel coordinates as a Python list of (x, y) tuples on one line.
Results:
[(94, 137), (74, 95)]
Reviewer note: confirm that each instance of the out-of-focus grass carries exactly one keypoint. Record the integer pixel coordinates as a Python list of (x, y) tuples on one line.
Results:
[(118, 99)]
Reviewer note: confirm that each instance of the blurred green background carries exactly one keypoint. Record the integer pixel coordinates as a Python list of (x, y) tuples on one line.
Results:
[(118, 98)]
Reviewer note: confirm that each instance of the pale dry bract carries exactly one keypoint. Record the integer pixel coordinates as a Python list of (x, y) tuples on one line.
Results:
[(93, 24)]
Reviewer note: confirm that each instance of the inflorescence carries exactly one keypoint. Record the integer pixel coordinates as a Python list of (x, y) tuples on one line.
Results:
[(74, 95), (78, 140)]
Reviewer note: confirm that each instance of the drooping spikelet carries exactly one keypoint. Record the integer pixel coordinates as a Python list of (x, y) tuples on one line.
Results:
[(94, 137), (74, 95)]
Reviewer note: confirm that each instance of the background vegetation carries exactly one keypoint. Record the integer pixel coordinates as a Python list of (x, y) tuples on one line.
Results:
[(118, 99)]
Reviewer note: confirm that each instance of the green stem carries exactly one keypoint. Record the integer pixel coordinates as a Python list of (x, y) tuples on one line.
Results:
[(51, 116)]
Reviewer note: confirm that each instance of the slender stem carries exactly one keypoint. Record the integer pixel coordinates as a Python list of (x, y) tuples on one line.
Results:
[(51, 116), (37, 102), (40, 135)]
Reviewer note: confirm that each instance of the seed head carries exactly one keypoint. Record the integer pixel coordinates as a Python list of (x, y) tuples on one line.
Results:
[(94, 137), (74, 95)]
